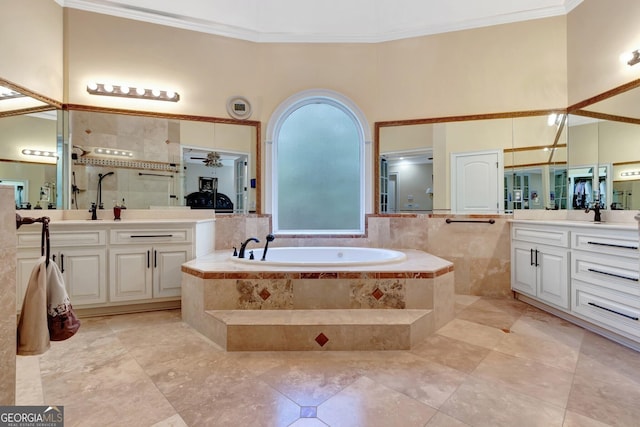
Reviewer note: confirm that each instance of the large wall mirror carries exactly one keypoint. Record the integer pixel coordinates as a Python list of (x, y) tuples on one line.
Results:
[(147, 162), (604, 134), (71, 158), (414, 169), (28, 147)]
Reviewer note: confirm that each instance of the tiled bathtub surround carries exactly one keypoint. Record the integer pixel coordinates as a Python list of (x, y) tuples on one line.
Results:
[(479, 251), (258, 307)]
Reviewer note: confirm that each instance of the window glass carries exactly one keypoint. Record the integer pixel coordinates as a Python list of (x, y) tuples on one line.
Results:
[(318, 171)]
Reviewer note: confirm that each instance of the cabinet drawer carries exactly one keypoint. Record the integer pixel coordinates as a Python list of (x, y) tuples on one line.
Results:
[(64, 238), (614, 310), (612, 242), (169, 235), (617, 273), (542, 235)]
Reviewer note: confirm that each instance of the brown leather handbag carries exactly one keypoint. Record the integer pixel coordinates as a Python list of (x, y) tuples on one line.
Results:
[(61, 319)]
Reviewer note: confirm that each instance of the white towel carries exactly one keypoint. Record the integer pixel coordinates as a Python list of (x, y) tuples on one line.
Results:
[(33, 330), (46, 294)]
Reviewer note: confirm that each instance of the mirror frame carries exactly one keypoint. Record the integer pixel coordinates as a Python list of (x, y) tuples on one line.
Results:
[(445, 119), (139, 113), (52, 104)]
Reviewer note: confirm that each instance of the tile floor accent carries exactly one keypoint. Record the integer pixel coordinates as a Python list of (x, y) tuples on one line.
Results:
[(499, 363)]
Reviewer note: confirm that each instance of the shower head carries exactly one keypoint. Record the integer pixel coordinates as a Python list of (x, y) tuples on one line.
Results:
[(270, 237)]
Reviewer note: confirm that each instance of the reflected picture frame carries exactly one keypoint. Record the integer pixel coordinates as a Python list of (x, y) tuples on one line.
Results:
[(207, 183)]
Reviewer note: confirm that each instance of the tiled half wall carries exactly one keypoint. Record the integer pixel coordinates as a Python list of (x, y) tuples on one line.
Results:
[(480, 252)]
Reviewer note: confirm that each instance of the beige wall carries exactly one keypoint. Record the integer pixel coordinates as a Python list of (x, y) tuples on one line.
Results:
[(502, 68), (598, 32), (31, 45)]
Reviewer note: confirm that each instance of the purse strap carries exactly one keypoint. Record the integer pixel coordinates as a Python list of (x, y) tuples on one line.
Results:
[(45, 246)]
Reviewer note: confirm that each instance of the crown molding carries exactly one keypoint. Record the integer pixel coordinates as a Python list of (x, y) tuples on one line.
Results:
[(380, 34)]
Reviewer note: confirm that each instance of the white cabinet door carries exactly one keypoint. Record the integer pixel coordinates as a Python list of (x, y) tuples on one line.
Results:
[(130, 273), (523, 268), (84, 273), (553, 276), (167, 269), (541, 271)]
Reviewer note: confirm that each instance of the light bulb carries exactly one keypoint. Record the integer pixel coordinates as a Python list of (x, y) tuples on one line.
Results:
[(171, 94), (155, 92), (108, 88), (124, 89), (141, 91), (92, 86)]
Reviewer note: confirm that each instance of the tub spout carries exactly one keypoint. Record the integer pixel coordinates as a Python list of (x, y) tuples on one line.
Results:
[(243, 246), (270, 238)]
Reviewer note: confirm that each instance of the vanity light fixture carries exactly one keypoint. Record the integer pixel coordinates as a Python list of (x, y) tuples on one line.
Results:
[(113, 152), (132, 92), (630, 173), (40, 153), (6, 93), (631, 58)]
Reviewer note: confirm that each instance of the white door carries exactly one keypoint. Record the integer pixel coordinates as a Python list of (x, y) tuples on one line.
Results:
[(476, 182), (393, 193)]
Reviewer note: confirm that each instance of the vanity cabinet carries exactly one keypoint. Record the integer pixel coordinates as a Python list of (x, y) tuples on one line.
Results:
[(107, 265), (80, 256), (539, 264), (145, 263), (584, 272), (605, 274)]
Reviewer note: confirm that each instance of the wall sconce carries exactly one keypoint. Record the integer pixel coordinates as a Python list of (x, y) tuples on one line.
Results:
[(39, 153), (429, 192), (113, 152), (630, 173), (6, 93), (631, 58), (132, 92)]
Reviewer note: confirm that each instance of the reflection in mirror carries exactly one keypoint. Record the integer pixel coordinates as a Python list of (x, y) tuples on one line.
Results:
[(535, 159), (538, 177), (28, 121), (24, 139), (147, 162), (606, 134)]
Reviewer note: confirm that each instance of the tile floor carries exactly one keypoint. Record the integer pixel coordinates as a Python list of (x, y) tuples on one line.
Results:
[(500, 362)]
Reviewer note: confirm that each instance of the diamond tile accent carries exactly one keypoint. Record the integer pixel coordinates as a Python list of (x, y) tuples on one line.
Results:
[(377, 294), (322, 339), (264, 294), (308, 412)]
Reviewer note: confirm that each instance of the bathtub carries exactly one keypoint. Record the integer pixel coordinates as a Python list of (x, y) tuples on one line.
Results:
[(322, 256), (356, 298)]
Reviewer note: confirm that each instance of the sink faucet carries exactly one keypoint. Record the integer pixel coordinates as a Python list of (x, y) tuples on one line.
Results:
[(92, 209), (596, 211), (243, 246)]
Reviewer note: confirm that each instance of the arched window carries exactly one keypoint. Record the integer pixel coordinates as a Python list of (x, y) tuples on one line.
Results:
[(317, 168)]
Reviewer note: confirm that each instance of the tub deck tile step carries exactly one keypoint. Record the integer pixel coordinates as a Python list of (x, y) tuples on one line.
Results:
[(344, 329)]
